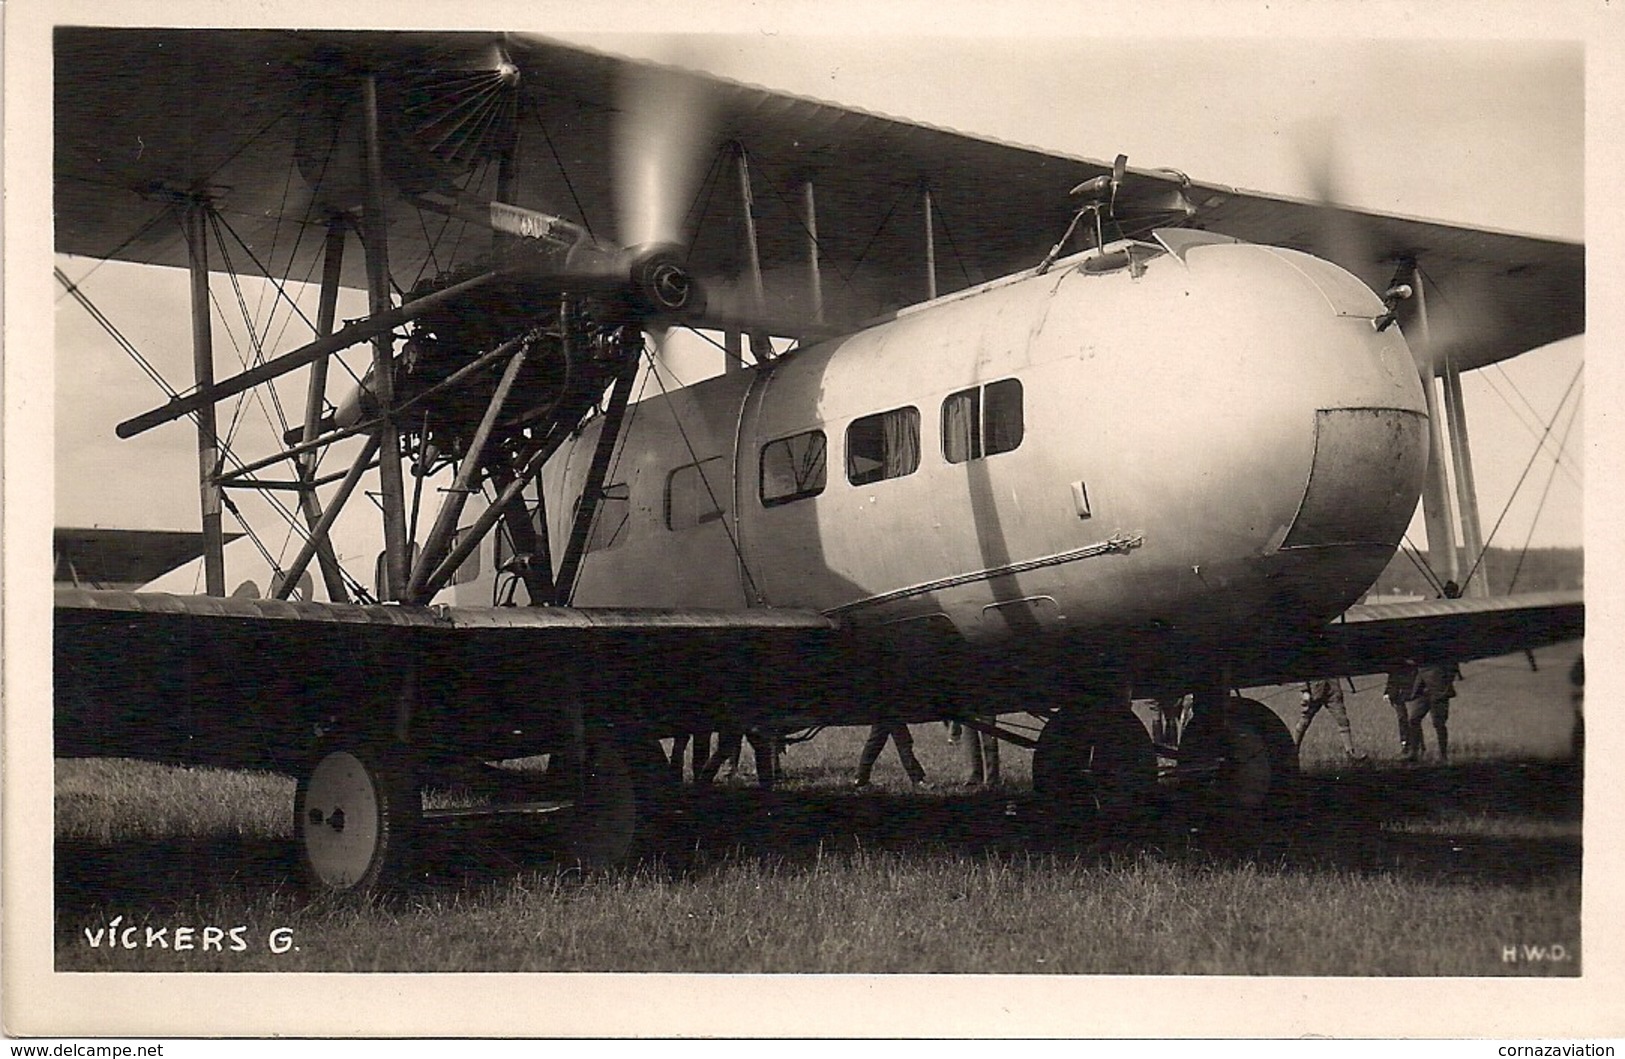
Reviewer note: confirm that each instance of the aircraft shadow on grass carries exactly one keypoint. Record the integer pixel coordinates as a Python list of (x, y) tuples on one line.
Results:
[(1427, 822)]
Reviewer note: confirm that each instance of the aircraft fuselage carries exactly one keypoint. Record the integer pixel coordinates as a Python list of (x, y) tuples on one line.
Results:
[(1214, 444)]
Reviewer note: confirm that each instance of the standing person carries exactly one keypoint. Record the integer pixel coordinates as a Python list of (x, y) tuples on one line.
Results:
[(1435, 687), (1168, 718), (762, 745), (1399, 691), (1326, 694), (701, 742), (900, 737), (982, 755)]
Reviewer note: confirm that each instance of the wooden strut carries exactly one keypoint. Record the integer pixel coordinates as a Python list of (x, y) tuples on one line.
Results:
[(344, 338), (537, 567), (367, 426), (375, 239), (511, 490), (930, 246), (1437, 515), (319, 532), (422, 586), (315, 404), (195, 221), (813, 273), (300, 485), (592, 489), (760, 348), (1472, 531)]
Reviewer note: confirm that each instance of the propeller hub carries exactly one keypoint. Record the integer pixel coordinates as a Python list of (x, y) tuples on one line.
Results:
[(661, 282)]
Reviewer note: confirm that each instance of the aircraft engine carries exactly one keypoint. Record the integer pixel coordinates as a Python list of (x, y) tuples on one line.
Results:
[(455, 355)]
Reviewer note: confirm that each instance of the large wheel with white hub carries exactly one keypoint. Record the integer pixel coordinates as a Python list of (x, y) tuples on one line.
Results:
[(1095, 761), (356, 812)]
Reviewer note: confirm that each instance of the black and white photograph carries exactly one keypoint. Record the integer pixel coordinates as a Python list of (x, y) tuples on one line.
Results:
[(623, 509)]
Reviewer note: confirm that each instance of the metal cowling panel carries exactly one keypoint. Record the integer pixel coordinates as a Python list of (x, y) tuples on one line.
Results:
[(1354, 446)]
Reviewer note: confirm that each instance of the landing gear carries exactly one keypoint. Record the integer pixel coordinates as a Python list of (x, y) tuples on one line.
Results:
[(1244, 763), (357, 812), (618, 804), (1095, 761)]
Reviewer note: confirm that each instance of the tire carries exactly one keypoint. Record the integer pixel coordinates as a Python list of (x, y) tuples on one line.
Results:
[(1256, 784), (617, 812), (357, 815), (1095, 762)]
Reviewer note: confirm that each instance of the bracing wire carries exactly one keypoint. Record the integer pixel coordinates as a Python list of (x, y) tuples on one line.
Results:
[(226, 455), (282, 291), (564, 172), (1414, 554), (879, 228), (953, 247), (1533, 428), (73, 290), (847, 276), (254, 339), (733, 541), (1526, 469), (163, 213), (1523, 553)]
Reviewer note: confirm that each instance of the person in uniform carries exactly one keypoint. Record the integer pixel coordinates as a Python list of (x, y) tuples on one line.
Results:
[(1326, 694), (902, 739), (1430, 697), (763, 745), (1168, 716), (1398, 691), (982, 756), (701, 743)]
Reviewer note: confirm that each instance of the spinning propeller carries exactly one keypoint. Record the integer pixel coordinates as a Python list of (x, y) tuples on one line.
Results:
[(1340, 236)]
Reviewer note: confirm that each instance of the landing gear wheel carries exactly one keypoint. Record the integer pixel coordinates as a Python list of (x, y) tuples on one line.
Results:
[(1255, 783), (356, 814), (1095, 761), (616, 805)]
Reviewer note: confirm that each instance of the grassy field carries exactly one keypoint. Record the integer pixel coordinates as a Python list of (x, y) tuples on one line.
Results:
[(1398, 870)]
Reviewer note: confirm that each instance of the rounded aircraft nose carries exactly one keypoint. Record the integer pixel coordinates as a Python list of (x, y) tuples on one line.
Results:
[(1249, 420), (1348, 417)]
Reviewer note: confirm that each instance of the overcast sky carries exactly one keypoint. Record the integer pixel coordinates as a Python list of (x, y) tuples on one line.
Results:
[(1487, 134)]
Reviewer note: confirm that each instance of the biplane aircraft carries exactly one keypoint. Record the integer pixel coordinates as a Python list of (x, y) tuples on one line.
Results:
[(1157, 437)]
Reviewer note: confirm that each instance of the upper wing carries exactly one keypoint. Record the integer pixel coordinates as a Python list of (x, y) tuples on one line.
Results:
[(1491, 295), (253, 120)]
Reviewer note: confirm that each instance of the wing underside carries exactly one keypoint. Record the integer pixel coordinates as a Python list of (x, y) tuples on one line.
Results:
[(260, 123), (1377, 638), (249, 683)]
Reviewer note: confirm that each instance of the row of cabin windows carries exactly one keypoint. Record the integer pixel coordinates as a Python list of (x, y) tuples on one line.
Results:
[(979, 422)]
